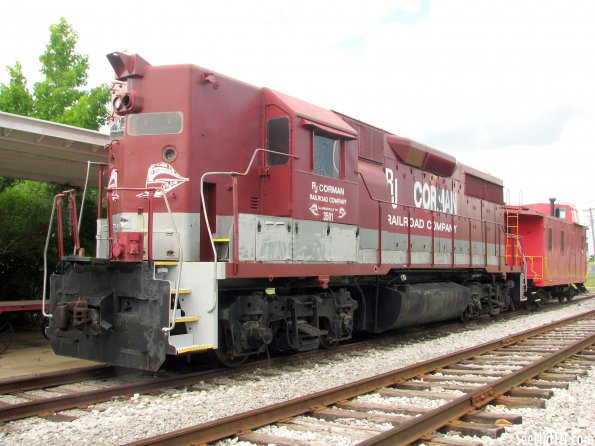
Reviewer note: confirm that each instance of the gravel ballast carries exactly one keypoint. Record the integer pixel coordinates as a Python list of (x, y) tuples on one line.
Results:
[(148, 415)]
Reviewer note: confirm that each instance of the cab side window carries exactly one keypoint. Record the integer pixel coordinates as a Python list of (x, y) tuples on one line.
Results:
[(327, 156), (278, 141)]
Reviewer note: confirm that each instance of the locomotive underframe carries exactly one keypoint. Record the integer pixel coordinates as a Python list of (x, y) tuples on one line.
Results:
[(296, 314), (115, 311)]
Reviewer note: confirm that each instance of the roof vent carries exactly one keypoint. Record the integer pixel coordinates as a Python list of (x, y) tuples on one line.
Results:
[(418, 155)]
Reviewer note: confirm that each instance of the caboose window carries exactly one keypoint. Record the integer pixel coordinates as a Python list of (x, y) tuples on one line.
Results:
[(561, 213), (551, 239), (563, 240), (327, 156), (277, 140), (168, 123)]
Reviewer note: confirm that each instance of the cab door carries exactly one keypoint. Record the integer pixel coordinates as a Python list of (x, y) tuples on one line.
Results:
[(276, 172)]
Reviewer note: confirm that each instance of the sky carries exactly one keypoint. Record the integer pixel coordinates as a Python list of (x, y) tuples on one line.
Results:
[(506, 86)]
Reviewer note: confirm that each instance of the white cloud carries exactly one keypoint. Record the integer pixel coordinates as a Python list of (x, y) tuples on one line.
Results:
[(506, 86)]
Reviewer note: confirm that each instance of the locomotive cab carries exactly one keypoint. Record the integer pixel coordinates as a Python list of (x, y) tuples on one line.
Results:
[(310, 190)]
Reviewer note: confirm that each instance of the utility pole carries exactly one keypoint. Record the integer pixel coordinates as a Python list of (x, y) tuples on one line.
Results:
[(592, 230)]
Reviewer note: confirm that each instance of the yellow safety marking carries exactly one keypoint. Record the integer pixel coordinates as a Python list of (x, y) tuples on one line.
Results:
[(182, 291), (194, 348), (221, 240), (186, 319), (166, 263)]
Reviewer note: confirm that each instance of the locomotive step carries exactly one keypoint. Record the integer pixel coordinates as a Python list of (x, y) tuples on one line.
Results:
[(183, 319), (181, 291), (193, 348)]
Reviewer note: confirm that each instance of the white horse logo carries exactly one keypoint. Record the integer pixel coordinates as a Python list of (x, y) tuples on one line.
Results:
[(163, 176)]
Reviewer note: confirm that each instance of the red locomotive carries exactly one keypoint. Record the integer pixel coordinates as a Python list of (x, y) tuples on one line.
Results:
[(240, 219)]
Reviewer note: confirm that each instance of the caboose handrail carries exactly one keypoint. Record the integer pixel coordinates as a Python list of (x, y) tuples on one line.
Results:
[(236, 230)]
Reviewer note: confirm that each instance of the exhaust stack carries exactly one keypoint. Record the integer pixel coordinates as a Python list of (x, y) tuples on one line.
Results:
[(552, 207)]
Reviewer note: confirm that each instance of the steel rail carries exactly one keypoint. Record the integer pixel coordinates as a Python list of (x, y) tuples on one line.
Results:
[(53, 379), (62, 402), (416, 428), (232, 425), (27, 409), (23, 410), (86, 398)]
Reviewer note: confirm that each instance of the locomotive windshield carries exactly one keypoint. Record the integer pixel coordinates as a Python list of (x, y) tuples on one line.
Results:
[(167, 123)]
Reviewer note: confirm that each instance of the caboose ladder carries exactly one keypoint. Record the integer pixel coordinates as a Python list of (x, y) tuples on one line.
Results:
[(514, 250), (182, 338)]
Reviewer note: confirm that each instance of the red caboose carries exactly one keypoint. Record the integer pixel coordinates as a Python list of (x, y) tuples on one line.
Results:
[(551, 243)]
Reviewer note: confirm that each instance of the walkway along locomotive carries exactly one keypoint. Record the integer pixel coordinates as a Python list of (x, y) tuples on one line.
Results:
[(240, 219)]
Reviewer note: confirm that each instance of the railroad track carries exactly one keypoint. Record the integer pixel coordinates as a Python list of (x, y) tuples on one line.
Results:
[(56, 399), (52, 379), (518, 370)]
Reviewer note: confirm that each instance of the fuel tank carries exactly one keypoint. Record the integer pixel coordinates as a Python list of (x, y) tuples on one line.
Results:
[(407, 305)]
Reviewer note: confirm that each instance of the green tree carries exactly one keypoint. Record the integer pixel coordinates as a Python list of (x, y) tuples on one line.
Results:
[(60, 97), (25, 206), (15, 97), (24, 211)]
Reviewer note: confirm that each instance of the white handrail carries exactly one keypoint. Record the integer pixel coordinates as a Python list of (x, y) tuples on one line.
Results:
[(85, 193), (172, 323), (45, 262), (204, 207)]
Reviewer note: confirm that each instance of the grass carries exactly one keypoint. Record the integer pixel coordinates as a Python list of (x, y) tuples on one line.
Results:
[(590, 283)]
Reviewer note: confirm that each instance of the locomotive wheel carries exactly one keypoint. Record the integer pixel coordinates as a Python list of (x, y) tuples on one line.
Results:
[(531, 303), (327, 342), (6, 334), (541, 300), (221, 357), (464, 317)]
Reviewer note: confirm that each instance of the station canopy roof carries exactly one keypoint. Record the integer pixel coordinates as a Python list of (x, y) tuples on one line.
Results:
[(40, 150)]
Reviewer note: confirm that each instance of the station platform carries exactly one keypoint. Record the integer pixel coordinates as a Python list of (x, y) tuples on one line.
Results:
[(31, 354)]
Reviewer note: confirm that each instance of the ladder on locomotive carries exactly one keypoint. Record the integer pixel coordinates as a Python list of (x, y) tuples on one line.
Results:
[(184, 316), (513, 248)]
